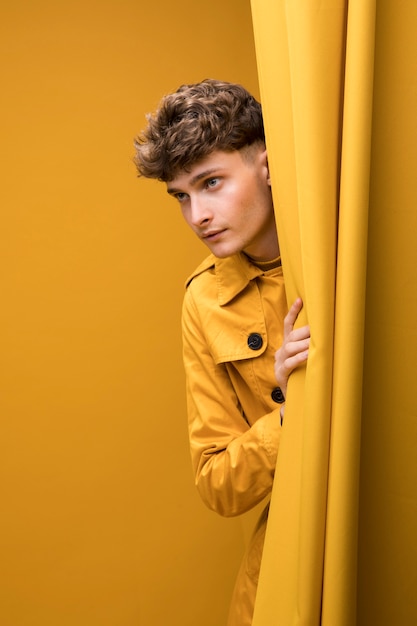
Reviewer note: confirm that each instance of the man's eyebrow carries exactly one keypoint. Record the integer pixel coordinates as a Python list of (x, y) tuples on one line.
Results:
[(172, 190), (196, 179)]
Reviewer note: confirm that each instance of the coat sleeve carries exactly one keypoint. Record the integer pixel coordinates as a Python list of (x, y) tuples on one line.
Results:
[(233, 462)]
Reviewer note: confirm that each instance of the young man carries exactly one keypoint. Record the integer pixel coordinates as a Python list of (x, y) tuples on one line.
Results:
[(206, 142)]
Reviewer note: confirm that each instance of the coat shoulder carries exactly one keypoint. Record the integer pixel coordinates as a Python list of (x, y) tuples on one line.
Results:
[(208, 263)]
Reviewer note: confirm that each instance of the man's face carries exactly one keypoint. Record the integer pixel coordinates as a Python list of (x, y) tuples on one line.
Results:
[(226, 199)]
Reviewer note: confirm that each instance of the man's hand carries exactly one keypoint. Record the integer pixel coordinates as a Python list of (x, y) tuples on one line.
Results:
[(294, 349)]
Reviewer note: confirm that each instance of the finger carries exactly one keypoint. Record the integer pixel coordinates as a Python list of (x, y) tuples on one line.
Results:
[(292, 315), (295, 361), (299, 333), (292, 348)]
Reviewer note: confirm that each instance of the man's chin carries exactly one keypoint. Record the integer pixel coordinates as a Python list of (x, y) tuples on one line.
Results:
[(222, 254), (222, 251)]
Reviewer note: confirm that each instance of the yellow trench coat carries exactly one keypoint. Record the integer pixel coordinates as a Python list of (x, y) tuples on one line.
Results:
[(233, 318)]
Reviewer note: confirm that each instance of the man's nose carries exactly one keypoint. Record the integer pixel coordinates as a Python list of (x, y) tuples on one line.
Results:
[(200, 211)]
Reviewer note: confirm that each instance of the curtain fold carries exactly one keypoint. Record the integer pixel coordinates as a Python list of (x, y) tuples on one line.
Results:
[(339, 588), (318, 136)]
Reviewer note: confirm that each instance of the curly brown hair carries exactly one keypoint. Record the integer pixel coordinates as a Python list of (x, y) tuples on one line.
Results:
[(194, 121)]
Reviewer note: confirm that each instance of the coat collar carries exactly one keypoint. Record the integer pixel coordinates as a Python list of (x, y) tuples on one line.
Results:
[(233, 274)]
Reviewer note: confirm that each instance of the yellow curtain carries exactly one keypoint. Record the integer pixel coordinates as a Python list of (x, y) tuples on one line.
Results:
[(315, 64), (387, 546), (339, 92)]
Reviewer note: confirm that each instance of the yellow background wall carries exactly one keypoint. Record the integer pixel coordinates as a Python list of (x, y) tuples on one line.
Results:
[(100, 521)]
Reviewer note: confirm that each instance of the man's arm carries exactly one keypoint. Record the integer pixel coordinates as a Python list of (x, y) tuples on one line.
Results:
[(233, 462)]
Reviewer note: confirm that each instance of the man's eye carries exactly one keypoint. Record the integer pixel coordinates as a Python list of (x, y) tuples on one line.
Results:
[(181, 196), (212, 182)]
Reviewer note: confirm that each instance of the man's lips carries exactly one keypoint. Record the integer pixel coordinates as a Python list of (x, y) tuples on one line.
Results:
[(211, 235)]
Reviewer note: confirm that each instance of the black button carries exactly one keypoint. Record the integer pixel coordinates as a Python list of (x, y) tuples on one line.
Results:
[(255, 341), (277, 395)]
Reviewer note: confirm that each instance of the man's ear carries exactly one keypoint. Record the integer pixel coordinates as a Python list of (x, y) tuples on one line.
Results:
[(265, 158)]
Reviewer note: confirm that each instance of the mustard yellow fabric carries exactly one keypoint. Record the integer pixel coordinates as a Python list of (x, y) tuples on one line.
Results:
[(234, 421), (315, 70), (340, 565), (235, 432), (387, 546)]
